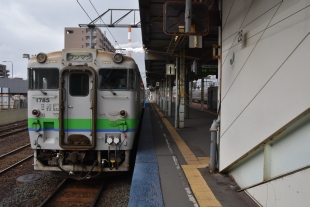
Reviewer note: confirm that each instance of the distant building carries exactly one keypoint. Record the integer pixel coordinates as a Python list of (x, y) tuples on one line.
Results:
[(13, 93), (76, 37), (3, 71)]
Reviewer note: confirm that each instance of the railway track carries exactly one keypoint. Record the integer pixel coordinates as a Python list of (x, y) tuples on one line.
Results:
[(11, 129), (15, 157), (75, 193), (13, 124)]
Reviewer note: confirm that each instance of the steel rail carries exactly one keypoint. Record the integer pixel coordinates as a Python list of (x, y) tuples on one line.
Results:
[(45, 202), (12, 127), (22, 147), (14, 132), (14, 124), (2, 171), (61, 185), (93, 204)]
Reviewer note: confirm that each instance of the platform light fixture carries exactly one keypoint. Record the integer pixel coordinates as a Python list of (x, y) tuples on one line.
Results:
[(26, 56)]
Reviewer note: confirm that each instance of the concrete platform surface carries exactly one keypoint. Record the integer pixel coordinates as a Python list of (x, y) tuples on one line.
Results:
[(172, 164)]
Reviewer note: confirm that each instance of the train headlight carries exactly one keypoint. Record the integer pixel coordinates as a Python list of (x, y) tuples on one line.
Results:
[(123, 113), (118, 58), (109, 140), (35, 112), (41, 57), (116, 140)]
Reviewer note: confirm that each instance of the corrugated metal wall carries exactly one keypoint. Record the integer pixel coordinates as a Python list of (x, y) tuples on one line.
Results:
[(16, 86)]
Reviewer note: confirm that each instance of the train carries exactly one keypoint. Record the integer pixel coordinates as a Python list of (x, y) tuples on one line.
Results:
[(209, 81), (196, 95), (84, 110)]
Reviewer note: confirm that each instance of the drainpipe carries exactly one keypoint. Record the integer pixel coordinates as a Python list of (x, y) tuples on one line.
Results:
[(176, 121), (213, 157)]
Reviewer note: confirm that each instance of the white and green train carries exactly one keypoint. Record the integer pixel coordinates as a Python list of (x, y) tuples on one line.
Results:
[(84, 110)]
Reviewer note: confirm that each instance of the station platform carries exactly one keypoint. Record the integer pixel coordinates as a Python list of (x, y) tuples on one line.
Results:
[(172, 165)]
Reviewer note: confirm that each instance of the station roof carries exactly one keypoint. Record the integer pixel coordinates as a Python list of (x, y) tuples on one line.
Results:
[(162, 49)]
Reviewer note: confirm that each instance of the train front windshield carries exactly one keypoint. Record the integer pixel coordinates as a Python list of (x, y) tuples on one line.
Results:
[(122, 79), (47, 78)]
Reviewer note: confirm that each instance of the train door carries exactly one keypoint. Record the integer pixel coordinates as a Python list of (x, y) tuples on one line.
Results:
[(77, 109)]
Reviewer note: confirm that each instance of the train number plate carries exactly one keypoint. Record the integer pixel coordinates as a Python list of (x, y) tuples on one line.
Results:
[(43, 100)]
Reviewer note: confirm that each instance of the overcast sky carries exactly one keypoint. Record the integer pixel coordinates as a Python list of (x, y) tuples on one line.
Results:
[(33, 26)]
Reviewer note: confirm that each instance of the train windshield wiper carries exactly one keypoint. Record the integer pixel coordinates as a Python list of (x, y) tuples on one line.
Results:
[(106, 85), (43, 91)]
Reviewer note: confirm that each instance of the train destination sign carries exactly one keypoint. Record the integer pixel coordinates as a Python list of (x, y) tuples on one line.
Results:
[(206, 69), (79, 57)]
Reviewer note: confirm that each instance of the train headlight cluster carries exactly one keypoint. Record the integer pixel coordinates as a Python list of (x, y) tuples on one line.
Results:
[(118, 58), (36, 112), (123, 113), (113, 138), (41, 57)]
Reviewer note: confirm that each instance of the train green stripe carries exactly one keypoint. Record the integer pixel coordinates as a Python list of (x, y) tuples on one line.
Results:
[(101, 124)]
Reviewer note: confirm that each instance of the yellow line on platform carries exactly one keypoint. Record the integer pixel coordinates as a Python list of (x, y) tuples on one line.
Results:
[(200, 188)]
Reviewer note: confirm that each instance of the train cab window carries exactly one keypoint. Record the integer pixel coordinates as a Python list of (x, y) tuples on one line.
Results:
[(113, 79), (132, 79), (43, 78), (79, 84)]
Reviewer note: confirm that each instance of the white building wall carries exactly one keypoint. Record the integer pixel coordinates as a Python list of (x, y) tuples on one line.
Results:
[(292, 190), (265, 85)]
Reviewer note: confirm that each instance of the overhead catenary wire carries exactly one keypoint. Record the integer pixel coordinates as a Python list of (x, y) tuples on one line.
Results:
[(100, 19), (104, 23), (83, 9)]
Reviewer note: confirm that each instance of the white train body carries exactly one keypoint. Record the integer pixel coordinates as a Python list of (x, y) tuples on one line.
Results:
[(84, 110)]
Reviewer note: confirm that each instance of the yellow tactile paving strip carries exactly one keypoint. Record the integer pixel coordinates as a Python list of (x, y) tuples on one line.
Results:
[(200, 188)]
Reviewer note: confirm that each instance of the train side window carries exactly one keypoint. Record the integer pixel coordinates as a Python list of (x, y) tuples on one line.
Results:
[(43, 78), (79, 84)]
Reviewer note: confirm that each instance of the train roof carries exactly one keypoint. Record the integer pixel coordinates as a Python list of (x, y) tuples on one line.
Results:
[(106, 58)]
